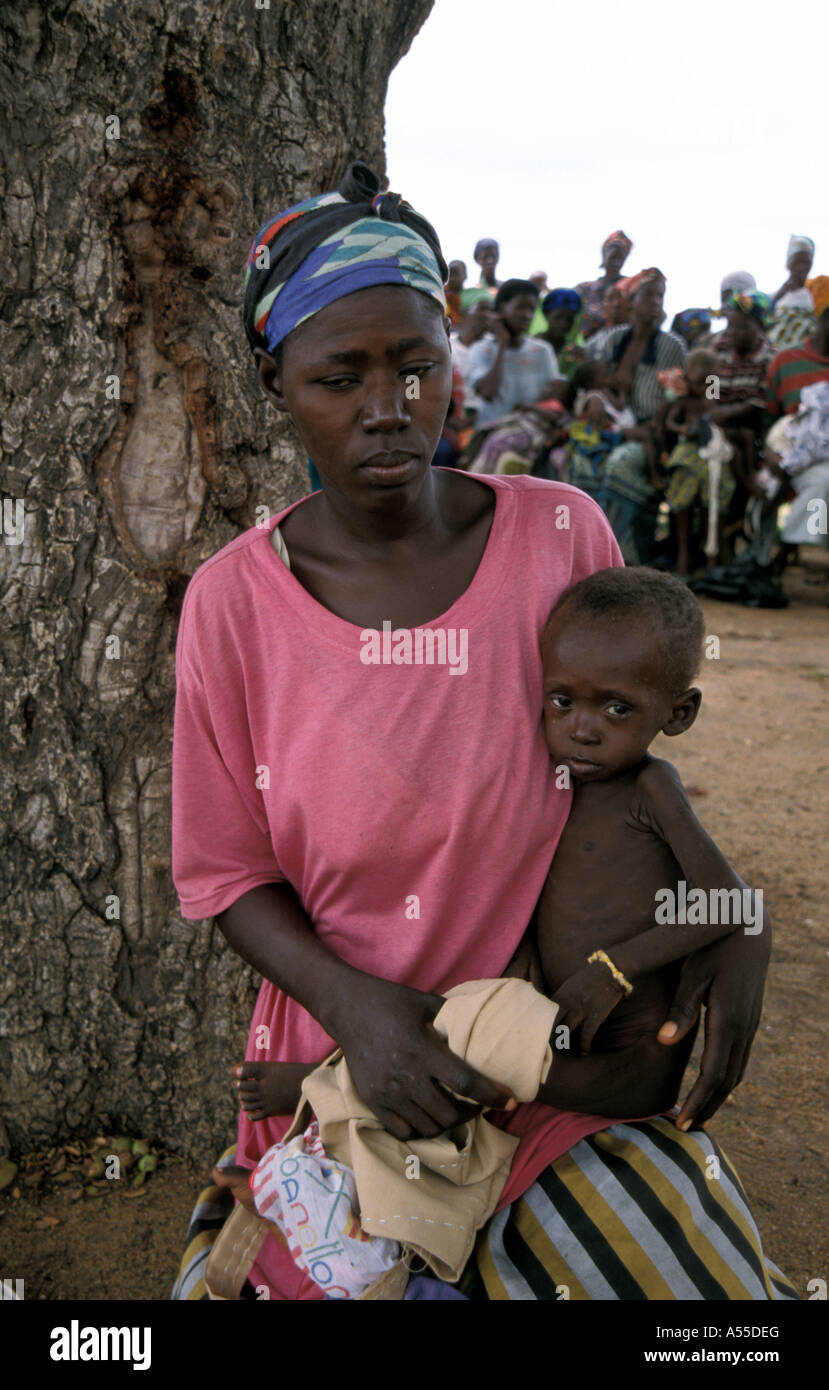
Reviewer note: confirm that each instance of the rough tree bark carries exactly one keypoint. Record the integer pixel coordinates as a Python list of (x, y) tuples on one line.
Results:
[(144, 145)]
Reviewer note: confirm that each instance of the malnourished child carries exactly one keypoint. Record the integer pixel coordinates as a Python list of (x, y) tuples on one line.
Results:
[(636, 883)]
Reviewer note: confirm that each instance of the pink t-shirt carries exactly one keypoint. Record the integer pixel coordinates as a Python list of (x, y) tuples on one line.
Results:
[(412, 807)]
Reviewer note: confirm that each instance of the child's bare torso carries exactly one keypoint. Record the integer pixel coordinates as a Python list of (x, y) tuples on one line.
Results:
[(601, 891)]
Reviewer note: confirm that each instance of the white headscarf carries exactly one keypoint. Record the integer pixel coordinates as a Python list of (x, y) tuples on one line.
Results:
[(798, 244)]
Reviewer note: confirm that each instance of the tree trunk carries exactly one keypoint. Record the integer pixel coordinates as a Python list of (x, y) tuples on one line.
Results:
[(144, 147)]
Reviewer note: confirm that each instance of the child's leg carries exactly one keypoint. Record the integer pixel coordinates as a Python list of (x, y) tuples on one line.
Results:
[(270, 1088), (683, 540)]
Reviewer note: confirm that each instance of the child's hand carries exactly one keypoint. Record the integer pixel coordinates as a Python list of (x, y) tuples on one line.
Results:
[(585, 1000)]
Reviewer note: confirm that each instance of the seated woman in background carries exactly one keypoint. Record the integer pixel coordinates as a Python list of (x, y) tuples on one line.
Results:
[(558, 322), (506, 368), (637, 353), (744, 354), (615, 250), (806, 469)]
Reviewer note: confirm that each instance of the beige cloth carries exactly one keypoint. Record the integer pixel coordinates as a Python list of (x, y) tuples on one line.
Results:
[(502, 1028)]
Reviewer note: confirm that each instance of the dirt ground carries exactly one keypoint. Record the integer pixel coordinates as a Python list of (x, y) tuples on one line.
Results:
[(756, 763)]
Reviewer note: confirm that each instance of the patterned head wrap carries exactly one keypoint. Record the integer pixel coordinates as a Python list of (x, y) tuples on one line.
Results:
[(617, 239), (689, 319), (561, 299), (633, 283), (819, 290), (798, 244), (753, 303), (331, 245)]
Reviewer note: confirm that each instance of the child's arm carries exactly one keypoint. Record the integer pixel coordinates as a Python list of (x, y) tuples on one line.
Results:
[(675, 416), (660, 805)]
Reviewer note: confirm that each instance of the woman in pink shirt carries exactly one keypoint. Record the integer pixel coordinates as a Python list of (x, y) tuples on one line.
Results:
[(361, 790)]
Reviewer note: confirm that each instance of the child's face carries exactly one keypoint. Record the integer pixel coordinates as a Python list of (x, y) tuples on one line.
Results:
[(595, 413), (604, 695), (697, 377)]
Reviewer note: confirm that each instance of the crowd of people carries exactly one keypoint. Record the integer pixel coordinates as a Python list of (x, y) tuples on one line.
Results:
[(687, 438)]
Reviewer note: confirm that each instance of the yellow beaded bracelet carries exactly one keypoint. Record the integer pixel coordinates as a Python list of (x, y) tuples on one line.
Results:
[(604, 959)]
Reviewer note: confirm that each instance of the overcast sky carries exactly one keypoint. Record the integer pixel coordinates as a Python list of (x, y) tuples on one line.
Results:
[(699, 130)]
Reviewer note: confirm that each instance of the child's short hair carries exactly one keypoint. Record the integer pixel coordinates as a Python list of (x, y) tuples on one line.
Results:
[(704, 358), (511, 289), (654, 597), (586, 373)]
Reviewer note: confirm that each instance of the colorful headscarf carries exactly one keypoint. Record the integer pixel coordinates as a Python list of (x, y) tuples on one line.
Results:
[(798, 244), (617, 239), (561, 299), (329, 246), (689, 319), (632, 283), (819, 290), (473, 296), (754, 303)]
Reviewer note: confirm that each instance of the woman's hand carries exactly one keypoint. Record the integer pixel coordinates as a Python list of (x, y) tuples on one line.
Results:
[(401, 1066), (728, 978), (500, 332)]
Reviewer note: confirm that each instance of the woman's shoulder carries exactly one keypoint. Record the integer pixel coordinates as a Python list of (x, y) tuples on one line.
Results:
[(234, 576), (670, 345), (559, 534), (550, 501)]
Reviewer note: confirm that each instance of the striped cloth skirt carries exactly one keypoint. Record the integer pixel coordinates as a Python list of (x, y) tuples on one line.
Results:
[(637, 1211)]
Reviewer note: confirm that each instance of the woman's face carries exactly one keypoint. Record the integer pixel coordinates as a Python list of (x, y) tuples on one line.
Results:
[(518, 313), (745, 330), (799, 267), (559, 323), (647, 304), (616, 308), (367, 382), (614, 258)]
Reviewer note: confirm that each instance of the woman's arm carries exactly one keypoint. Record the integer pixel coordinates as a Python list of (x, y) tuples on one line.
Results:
[(399, 1064), (489, 385), (641, 1079), (728, 978)]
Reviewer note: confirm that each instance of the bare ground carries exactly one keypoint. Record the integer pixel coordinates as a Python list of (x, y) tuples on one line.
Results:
[(757, 762)]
